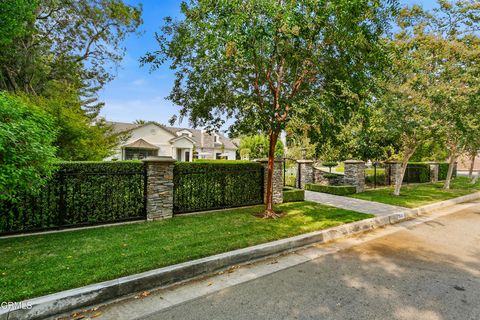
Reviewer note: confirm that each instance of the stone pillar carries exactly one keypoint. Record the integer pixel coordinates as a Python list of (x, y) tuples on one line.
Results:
[(433, 171), (304, 173), (355, 174), (393, 169), (277, 180), (159, 187)]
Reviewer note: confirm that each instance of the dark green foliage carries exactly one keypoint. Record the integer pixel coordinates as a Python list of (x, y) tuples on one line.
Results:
[(292, 195), (26, 146), (329, 164), (79, 193), (417, 172), (205, 185), (442, 171), (338, 190), (331, 175), (89, 167)]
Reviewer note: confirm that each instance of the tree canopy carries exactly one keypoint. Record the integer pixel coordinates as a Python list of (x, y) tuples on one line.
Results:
[(260, 63), (26, 146), (61, 53)]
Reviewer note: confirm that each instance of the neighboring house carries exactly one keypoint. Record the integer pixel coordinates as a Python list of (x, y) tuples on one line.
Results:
[(183, 144)]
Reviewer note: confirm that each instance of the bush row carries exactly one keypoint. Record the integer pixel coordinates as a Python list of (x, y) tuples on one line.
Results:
[(79, 193), (418, 172), (206, 185), (292, 194), (337, 190)]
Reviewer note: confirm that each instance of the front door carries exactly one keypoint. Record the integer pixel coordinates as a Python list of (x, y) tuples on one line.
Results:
[(187, 156)]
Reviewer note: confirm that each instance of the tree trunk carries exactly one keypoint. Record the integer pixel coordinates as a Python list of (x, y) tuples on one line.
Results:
[(453, 159), (473, 156), (269, 213), (399, 177)]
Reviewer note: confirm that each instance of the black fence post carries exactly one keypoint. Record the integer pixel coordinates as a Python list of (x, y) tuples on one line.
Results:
[(374, 175), (61, 200)]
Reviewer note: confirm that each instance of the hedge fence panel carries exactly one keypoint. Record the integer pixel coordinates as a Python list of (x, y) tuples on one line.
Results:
[(207, 185), (79, 193)]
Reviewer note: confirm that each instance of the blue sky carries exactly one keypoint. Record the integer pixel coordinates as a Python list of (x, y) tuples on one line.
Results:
[(135, 93)]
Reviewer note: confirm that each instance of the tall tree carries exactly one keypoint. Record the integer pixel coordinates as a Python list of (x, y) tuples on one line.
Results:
[(60, 53), (76, 42), (406, 110), (450, 33), (262, 62)]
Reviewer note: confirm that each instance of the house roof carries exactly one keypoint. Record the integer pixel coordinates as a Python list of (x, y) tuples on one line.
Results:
[(207, 141), (182, 137), (141, 144)]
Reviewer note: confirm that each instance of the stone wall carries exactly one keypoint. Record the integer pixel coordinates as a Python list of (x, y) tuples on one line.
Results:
[(277, 179), (433, 171), (159, 171), (322, 177), (392, 171), (355, 174)]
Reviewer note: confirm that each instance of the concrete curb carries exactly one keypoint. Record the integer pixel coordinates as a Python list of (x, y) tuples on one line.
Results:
[(94, 294)]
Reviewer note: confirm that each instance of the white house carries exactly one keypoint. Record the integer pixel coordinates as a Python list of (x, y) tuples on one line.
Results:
[(183, 144)]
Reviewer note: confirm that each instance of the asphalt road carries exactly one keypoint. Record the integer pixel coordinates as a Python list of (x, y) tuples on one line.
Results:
[(429, 271)]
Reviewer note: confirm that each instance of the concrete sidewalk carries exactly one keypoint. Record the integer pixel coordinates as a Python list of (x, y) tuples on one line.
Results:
[(364, 206)]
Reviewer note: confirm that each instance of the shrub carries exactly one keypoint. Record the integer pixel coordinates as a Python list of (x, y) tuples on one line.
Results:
[(291, 195), (79, 193), (337, 190), (206, 185), (26, 147), (330, 164), (330, 175)]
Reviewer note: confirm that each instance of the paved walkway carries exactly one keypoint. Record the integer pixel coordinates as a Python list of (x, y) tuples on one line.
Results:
[(364, 206)]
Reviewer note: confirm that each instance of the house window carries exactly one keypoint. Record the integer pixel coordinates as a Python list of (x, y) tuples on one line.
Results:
[(218, 156), (216, 139), (137, 154)]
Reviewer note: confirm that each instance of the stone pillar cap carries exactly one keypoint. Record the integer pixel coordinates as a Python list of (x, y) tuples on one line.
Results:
[(159, 159), (353, 161), (304, 161)]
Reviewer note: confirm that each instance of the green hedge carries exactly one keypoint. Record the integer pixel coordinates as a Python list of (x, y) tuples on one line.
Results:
[(291, 195), (331, 175), (442, 171), (206, 185), (79, 193), (418, 172), (337, 190)]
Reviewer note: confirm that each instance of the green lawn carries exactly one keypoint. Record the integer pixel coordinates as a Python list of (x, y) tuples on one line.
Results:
[(421, 194), (37, 265)]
